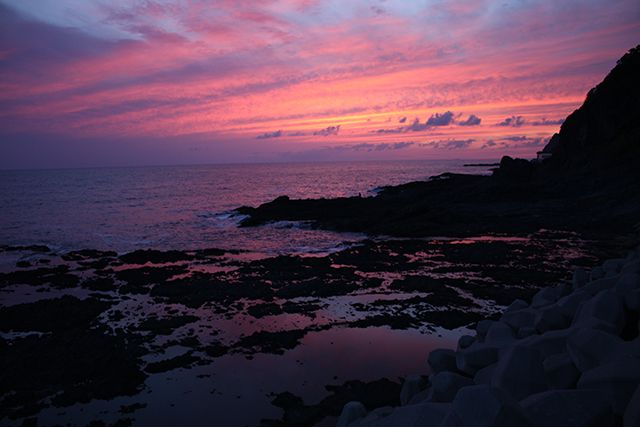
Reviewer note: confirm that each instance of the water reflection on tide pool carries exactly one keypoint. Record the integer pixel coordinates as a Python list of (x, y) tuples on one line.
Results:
[(235, 390)]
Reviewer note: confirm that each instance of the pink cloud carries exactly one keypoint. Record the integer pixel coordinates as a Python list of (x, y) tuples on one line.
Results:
[(242, 69)]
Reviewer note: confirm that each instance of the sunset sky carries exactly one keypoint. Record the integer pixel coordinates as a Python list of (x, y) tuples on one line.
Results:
[(115, 82)]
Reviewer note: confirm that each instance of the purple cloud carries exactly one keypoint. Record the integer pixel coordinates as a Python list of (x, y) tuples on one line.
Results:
[(513, 121), (369, 147), (473, 120), (545, 122), (489, 144), (417, 126), (511, 142), (437, 119), (268, 135), (449, 144), (331, 130)]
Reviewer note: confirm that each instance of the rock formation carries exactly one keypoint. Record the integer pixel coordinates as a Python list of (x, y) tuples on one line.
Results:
[(581, 370)]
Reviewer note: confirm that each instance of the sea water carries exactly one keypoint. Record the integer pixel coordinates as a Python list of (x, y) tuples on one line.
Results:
[(187, 207)]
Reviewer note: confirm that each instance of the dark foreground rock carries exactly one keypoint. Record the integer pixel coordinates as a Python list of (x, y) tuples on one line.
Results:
[(106, 326), (584, 371), (121, 323), (383, 392), (66, 358)]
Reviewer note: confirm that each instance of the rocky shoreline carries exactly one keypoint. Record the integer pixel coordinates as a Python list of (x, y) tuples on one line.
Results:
[(585, 184), (570, 357), (129, 319)]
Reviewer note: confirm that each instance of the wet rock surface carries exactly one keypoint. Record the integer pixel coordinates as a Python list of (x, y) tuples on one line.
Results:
[(585, 372), (373, 394), (106, 324)]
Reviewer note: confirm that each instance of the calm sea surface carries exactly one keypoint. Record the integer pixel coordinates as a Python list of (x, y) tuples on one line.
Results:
[(186, 207)]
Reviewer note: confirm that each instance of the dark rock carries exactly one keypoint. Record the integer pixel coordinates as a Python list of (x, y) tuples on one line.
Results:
[(445, 386), (351, 412), (499, 334), (519, 319), (442, 360), (167, 325), (485, 375), (216, 350), (129, 409), (57, 277), (484, 406), (143, 256), (514, 169), (516, 305), (422, 414), (549, 319), (569, 304), (580, 277), (520, 372), (526, 331), (549, 343), (618, 378), (411, 386), (589, 348), (99, 284), (476, 357), (465, 341), (604, 311), (374, 394), (52, 315), (87, 254), (600, 134), (560, 372), (575, 408), (139, 280), (483, 327), (182, 361), (627, 282), (271, 342), (632, 413), (548, 295), (80, 365), (267, 309)]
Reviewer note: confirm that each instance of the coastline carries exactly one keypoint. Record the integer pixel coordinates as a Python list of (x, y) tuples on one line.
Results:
[(187, 314), (186, 335)]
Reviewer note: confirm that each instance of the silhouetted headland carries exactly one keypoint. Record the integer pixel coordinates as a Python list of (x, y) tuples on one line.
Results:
[(589, 183)]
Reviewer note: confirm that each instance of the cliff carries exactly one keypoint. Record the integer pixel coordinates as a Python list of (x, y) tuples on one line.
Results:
[(603, 135), (590, 183)]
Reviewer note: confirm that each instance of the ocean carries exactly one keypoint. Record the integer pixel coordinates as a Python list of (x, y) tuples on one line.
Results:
[(187, 207)]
